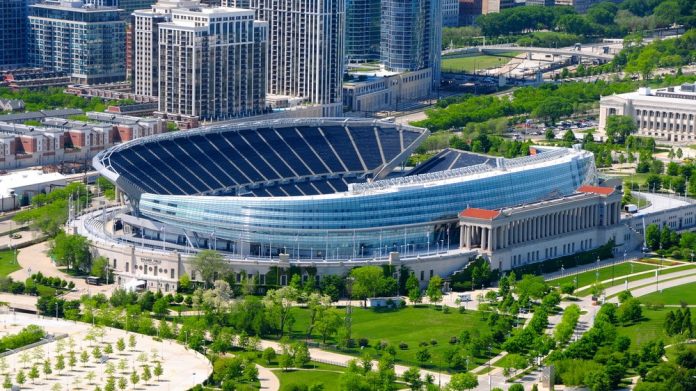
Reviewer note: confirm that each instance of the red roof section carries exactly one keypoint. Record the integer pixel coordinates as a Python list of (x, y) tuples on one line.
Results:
[(596, 190), (483, 214)]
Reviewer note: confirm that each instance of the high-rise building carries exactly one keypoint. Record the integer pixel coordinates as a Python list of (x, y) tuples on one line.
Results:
[(212, 64), (129, 6), (85, 41), (145, 41), (362, 30), (412, 36), (13, 32), (469, 10), (305, 48), (450, 13)]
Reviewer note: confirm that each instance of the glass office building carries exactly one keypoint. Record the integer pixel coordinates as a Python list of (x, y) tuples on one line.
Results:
[(411, 32), (13, 33), (322, 188), (362, 30), (86, 41)]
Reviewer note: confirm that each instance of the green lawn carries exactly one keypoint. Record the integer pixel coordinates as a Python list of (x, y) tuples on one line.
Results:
[(330, 379), (589, 277), (411, 325), (7, 263), (469, 64), (648, 329), (674, 295), (665, 275)]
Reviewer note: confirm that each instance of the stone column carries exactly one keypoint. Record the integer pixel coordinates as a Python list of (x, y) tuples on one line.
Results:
[(484, 238), (462, 235), (491, 238)]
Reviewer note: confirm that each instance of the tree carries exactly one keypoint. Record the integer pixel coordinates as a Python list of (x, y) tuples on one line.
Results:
[(131, 341), (47, 367), (60, 363), (328, 324), (21, 378), (652, 236), (462, 382), (549, 135), (269, 354), (90, 377), (434, 290), (423, 355), (147, 375), (412, 376), (34, 374), (301, 354), (84, 357), (71, 251), (654, 182), (210, 264), (619, 127), (551, 109), (368, 281), (7, 383), (120, 345), (630, 311), (122, 383), (158, 371), (413, 289), (99, 266), (279, 305)]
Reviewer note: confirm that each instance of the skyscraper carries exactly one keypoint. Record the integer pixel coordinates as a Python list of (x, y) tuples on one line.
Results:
[(85, 41), (411, 33), (145, 41), (305, 48), (13, 32), (362, 30), (212, 63)]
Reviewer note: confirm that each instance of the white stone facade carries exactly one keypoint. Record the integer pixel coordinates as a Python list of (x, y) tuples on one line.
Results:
[(667, 114)]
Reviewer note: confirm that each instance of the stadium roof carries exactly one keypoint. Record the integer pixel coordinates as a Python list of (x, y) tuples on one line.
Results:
[(263, 158)]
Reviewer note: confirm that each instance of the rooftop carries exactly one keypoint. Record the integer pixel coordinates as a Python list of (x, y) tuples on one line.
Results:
[(482, 214), (19, 179), (596, 190)]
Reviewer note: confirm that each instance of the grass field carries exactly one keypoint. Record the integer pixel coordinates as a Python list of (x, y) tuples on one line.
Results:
[(469, 64), (410, 325), (665, 275), (330, 379), (674, 295), (7, 263), (648, 329), (589, 277)]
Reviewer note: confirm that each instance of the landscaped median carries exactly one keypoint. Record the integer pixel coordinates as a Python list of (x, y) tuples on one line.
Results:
[(622, 278)]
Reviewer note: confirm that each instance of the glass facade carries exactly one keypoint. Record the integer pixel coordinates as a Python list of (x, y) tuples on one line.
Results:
[(87, 43), (414, 218), (362, 30), (13, 33), (411, 32)]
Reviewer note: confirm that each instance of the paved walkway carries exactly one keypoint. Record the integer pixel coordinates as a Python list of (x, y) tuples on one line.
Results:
[(183, 368), (268, 379), (34, 259)]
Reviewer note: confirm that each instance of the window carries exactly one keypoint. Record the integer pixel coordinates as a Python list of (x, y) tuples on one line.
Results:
[(422, 275)]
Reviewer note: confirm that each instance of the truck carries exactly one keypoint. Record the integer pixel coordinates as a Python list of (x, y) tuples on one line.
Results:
[(631, 208)]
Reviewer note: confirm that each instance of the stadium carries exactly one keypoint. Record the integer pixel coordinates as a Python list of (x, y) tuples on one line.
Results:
[(325, 192)]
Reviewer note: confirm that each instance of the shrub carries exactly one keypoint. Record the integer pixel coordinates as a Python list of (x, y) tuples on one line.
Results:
[(403, 346), (422, 343), (453, 340), (363, 342), (433, 342)]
